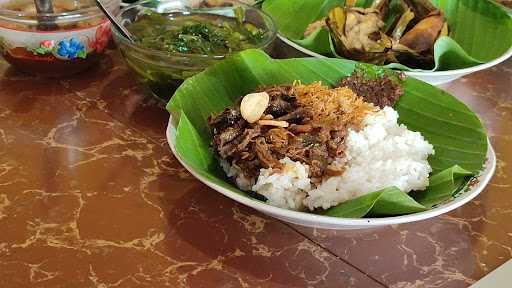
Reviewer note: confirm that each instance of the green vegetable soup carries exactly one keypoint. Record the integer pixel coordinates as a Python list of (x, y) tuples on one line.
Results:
[(182, 44), (205, 34)]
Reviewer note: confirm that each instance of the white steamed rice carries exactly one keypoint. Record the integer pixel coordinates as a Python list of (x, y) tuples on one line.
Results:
[(286, 189), (381, 155)]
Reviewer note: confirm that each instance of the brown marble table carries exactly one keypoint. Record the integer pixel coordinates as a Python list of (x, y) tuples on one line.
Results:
[(91, 196)]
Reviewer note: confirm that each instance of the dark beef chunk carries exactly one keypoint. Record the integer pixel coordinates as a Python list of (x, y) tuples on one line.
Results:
[(226, 128), (381, 91), (281, 102), (295, 117), (318, 160), (227, 118), (228, 135), (226, 151), (248, 136), (227, 144), (323, 134), (277, 107), (278, 140), (335, 145), (267, 160), (296, 149), (296, 128)]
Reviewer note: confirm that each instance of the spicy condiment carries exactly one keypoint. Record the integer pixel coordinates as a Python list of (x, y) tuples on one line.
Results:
[(68, 41)]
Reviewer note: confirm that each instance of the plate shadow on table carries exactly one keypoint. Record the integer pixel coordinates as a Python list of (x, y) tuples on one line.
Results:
[(209, 223), (211, 227)]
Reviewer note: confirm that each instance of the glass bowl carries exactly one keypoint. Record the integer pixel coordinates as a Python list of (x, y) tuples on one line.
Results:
[(164, 72), (57, 44)]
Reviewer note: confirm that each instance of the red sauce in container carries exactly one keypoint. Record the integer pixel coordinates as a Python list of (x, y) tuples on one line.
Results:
[(48, 65), (70, 42)]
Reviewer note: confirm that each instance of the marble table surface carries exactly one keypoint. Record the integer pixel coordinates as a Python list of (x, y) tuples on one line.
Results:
[(91, 196)]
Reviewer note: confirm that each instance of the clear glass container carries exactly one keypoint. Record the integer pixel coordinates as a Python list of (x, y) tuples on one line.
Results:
[(163, 72)]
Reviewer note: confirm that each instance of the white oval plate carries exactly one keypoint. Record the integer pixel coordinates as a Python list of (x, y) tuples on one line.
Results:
[(328, 222), (433, 78)]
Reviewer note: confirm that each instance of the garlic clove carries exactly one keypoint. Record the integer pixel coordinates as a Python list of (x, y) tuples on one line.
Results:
[(254, 105)]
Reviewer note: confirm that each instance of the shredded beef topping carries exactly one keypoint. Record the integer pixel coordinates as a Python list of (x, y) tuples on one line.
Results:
[(317, 119)]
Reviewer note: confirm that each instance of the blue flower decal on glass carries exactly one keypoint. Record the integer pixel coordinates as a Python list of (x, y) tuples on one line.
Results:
[(71, 49)]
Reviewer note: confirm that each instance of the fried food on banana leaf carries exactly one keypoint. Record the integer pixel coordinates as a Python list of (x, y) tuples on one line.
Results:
[(359, 33)]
